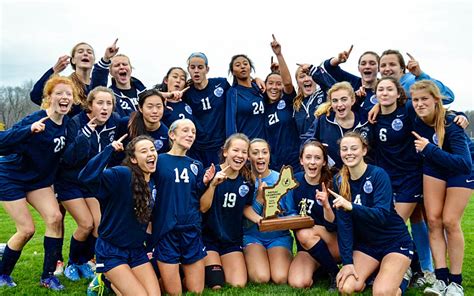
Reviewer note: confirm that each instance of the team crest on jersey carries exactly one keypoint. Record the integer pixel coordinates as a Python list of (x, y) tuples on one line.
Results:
[(112, 136), (368, 188), (397, 124), (243, 190), (218, 92), (281, 105), (188, 109), (373, 99), (153, 196), (435, 139), (158, 144), (194, 169)]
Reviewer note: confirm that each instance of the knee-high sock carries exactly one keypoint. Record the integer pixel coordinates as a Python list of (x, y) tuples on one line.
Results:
[(52, 252), (320, 253), (9, 259), (419, 232)]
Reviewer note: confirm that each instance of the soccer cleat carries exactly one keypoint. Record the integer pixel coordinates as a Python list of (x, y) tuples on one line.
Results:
[(437, 289), (91, 263), (85, 271), (71, 272), (97, 286), (6, 281), (429, 276), (408, 275), (332, 283), (52, 283), (59, 268), (454, 289)]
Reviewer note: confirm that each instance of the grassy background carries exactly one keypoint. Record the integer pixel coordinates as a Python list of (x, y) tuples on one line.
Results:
[(28, 269)]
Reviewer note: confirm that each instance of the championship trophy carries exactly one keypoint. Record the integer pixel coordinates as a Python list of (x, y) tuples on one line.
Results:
[(272, 209)]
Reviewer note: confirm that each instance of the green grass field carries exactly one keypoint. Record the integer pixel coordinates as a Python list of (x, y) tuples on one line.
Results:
[(28, 268)]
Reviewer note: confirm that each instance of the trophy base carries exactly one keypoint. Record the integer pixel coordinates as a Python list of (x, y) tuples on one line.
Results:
[(284, 223)]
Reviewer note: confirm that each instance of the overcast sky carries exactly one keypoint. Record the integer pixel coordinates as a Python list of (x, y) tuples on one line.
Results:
[(157, 35)]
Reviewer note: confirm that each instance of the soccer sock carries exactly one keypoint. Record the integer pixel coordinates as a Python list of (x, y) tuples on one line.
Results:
[(442, 274), (455, 278), (52, 252), (404, 285), (90, 247), (415, 262), (76, 249), (320, 253), (419, 231), (9, 259)]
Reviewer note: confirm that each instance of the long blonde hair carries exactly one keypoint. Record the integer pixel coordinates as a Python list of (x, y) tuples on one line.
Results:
[(439, 112), (325, 108)]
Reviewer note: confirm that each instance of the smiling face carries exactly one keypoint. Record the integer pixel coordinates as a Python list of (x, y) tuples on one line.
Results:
[(176, 80), (312, 160), (387, 93), (83, 56), (102, 106), (61, 99), (152, 110), (305, 82), (121, 71), (145, 156), (368, 68), (274, 86), (236, 155), (198, 70), (183, 134), (390, 66), (341, 103), (260, 158), (352, 151)]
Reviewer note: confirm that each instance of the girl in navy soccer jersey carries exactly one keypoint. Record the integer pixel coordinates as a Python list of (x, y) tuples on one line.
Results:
[(174, 84), (267, 254), (223, 204), (317, 246), (447, 183), (364, 85), (176, 223), (32, 149), (127, 196), (336, 117), (280, 125), (147, 120), (371, 235), (244, 109), (82, 59), (207, 98), (88, 133)]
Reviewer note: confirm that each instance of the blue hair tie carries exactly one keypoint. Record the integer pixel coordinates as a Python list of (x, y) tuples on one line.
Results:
[(198, 55)]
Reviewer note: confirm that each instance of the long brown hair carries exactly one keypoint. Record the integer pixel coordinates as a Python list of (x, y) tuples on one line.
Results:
[(141, 191), (344, 174), (326, 175), (402, 99), (245, 170), (440, 111)]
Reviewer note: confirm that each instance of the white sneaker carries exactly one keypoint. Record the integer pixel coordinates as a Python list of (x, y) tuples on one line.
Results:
[(429, 276), (91, 264), (408, 274), (59, 268), (454, 289), (421, 279), (437, 289)]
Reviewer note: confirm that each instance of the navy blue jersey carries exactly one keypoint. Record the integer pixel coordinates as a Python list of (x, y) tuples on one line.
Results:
[(83, 144), (305, 115), (393, 143), (179, 188), (455, 158), (162, 142), (339, 75), (126, 101), (282, 135), (327, 130), (113, 188), (208, 107), (180, 110), (223, 221), (373, 220), (245, 112), (32, 157), (314, 207)]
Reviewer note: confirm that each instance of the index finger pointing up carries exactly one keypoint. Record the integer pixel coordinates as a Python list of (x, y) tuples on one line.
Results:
[(43, 119), (273, 36), (122, 138), (115, 42), (410, 56), (416, 135), (350, 49), (324, 188)]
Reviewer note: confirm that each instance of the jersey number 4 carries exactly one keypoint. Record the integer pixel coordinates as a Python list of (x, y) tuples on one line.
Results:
[(181, 177)]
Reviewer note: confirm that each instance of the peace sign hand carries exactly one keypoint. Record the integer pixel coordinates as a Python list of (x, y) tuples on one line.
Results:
[(220, 177), (276, 47), (322, 196), (39, 126), (413, 66), (92, 124), (117, 144), (111, 51), (420, 142), (340, 201)]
